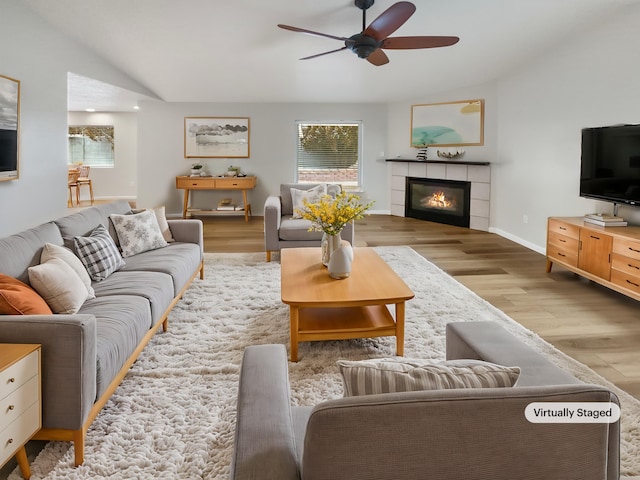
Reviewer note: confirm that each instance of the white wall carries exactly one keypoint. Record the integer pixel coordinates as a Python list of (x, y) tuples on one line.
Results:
[(40, 57), (273, 145), (591, 80), (121, 180)]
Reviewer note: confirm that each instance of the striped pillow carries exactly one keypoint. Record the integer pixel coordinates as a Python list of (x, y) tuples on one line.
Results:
[(369, 377), (98, 253)]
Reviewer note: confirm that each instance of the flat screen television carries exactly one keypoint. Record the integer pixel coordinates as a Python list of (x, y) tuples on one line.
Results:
[(8, 154), (610, 164)]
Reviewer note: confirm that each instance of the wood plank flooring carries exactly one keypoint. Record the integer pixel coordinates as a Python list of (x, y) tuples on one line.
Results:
[(591, 323)]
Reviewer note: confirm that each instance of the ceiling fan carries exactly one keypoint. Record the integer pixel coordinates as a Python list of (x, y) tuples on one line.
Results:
[(373, 39)]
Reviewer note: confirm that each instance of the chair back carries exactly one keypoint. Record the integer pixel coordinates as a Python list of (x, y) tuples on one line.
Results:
[(84, 171), (73, 176)]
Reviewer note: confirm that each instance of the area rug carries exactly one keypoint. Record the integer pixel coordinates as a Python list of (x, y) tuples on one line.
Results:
[(173, 416)]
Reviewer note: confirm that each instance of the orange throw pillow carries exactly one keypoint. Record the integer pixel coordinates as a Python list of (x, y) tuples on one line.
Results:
[(18, 298)]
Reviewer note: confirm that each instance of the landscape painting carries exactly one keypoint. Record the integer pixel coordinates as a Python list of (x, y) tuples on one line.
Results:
[(216, 137), (448, 124)]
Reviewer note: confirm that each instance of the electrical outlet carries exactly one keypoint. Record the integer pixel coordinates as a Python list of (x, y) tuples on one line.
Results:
[(525, 218)]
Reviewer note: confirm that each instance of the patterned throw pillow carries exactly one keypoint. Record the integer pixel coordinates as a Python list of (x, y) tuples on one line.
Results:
[(138, 233), (369, 377), (312, 195), (98, 253)]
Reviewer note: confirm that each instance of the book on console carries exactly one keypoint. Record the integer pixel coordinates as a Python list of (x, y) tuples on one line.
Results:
[(606, 223), (604, 217)]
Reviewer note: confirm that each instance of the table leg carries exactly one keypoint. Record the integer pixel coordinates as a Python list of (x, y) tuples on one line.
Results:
[(23, 462), (400, 329), (185, 205), (294, 315), (246, 205)]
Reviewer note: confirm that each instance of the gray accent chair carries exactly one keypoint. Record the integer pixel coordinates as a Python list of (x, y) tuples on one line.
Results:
[(471, 434), (281, 230)]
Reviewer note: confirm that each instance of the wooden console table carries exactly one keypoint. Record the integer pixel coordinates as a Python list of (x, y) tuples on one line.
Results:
[(188, 183)]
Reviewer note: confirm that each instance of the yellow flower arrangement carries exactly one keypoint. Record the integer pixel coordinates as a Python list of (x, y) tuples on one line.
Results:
[(330, 214)]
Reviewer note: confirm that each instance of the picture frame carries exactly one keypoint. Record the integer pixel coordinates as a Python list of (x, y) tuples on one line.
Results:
[(216, 137), (447, 124), (9, 128)]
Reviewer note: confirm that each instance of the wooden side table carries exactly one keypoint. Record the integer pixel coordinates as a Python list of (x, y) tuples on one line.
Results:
[(20, 401)]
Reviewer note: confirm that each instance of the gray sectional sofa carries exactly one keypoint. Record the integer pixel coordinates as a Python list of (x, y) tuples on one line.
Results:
[(86, 355), (473, 434)]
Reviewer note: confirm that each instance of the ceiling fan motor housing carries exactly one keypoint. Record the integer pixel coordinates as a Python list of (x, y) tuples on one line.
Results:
[(362, 45), (364, 4)]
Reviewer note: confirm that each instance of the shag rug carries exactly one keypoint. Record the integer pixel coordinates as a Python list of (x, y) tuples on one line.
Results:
[(173, 416)]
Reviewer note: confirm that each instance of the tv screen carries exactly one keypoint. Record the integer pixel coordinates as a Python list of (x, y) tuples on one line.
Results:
[(8, 153), (610, 164)]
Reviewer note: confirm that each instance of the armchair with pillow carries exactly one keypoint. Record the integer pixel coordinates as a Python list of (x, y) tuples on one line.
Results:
[(284, 229)]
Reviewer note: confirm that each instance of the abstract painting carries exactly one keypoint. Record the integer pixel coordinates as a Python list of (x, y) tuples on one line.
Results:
[(448, 124), (216, 137)]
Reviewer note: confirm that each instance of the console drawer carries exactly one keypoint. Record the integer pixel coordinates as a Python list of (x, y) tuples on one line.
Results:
[(563, 242), (625, 280), (18, 374), (564, 255), (626, 248), (562, 228), (19, 432)]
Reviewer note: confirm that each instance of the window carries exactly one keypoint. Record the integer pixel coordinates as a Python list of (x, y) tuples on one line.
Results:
[(329, 153), (91, 145)]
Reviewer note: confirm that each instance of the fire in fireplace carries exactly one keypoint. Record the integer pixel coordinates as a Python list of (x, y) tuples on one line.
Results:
[(442, 201)]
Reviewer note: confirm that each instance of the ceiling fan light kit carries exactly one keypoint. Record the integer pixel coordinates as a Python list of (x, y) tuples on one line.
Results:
[(373, 39)]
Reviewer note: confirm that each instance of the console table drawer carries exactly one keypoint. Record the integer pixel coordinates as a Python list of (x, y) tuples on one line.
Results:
[(625, 280), (627, 265), (564, 255), (626, 248), (14, 405), (566, 229), (19, 432), (233, 183), (19, 373), (563, 242), (195, 183)]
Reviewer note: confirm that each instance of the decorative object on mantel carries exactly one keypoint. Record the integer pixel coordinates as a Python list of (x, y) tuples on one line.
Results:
[(330, 215), (450, 153), (423, 153), (448, 124)]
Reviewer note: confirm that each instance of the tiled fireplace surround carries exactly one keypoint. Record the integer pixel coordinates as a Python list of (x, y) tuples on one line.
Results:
[(478, 173)]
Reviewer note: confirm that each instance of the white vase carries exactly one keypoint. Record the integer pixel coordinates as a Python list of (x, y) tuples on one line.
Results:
[(341, 260), (329, 244)]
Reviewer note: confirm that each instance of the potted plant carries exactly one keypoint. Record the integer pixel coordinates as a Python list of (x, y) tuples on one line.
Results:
[(196, 169)]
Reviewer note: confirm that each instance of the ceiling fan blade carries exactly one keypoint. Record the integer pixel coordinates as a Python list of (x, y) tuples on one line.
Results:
[(378, 57), (310, 32), (325, 53), (399, 43), (390, 20)]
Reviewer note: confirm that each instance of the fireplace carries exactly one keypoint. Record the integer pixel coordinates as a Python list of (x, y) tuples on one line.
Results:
[(441, 201)]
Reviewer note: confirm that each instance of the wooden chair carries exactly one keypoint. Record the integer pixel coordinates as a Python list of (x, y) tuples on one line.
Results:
[(72, 182), (83, 181)]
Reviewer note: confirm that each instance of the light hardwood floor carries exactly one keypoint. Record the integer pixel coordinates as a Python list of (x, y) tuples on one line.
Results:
[(591, 323)]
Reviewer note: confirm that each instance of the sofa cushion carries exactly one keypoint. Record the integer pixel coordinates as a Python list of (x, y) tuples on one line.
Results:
[(178, 259), (297, 229), (391, 375), (138, 233), (82, 223), (299, 197), (50, 251), (156, 287), (18, 298), (59, 285), (98, 253), (121, 323)]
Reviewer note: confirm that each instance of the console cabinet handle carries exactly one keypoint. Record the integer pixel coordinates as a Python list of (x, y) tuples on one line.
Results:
[(634, 250), (633, 266), (634, 284)]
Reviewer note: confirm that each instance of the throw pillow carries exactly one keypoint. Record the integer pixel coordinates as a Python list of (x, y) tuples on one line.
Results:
[(98, 253), (163, 224), (389, 375), (18, 298), (51, 251), (59, 285), (138, 233), (312, 195)]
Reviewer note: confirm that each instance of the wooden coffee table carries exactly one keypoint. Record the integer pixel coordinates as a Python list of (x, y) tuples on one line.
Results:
[(322, 308)]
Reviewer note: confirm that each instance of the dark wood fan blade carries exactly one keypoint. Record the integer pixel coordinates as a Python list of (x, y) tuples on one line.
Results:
[(418, 42), (310, 32), (378, 57), (325, 53), (390, 20)]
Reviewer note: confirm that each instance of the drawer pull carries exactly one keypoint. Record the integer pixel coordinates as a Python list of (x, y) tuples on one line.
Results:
[(561, 254), (12, 380), (10, 441), (633, 266), (11, 407), (562, 228), (634, 284), (563, 241), (594, 237), (634, 250)]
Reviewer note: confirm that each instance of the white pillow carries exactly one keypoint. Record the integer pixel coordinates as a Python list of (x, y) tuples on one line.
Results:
[(313, 195), (138, 233), (369, 377), (59, 285), (51, 251), (163, 224)]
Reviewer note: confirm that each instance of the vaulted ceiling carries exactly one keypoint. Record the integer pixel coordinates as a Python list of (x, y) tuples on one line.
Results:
[(232, 51)]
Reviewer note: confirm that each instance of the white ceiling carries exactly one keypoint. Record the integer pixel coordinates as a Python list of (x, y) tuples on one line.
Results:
[(232, 51)]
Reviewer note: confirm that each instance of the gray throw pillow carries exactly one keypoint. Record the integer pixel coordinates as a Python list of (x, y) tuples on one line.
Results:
[(369, 377), (98, 253)]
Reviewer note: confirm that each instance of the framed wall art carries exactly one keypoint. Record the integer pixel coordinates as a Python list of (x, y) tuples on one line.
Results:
[(9, 128), (216, 137), (448, 124)]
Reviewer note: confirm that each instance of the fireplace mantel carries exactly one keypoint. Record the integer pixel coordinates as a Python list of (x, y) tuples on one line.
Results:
[(450, 162), (478, 173)]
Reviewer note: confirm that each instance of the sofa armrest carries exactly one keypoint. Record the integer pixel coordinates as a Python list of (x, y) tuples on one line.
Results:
[(68, 363), (272, 218), (264, 441), (187, 231)]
